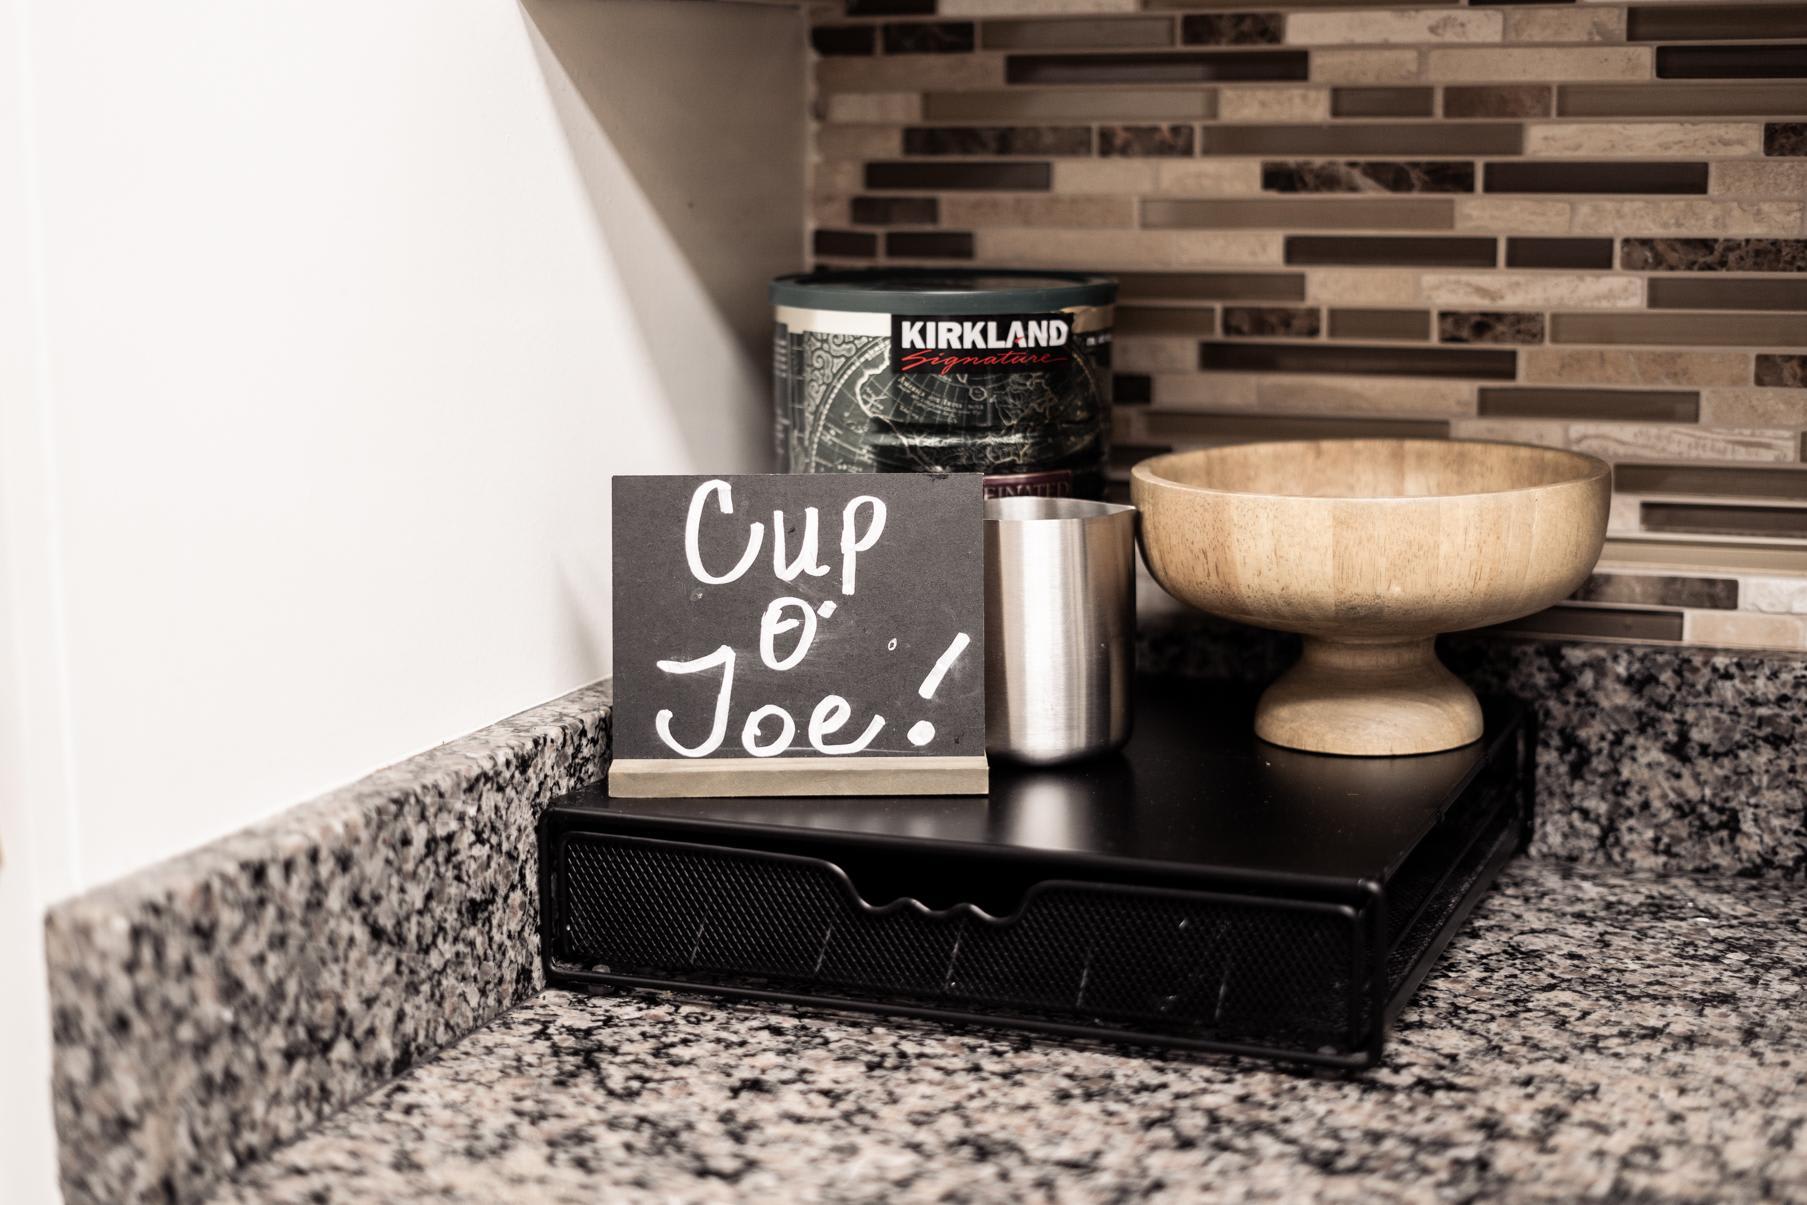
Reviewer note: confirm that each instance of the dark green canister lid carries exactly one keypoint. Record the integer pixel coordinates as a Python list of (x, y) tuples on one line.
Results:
[(942, 291)]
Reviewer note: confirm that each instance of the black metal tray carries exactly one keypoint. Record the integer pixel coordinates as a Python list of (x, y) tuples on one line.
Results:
[(1202, 890)]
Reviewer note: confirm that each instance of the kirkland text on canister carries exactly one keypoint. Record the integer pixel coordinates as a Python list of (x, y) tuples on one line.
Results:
[(898, 370)]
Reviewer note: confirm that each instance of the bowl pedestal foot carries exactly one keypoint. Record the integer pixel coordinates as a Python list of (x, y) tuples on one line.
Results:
[(1371, 699)]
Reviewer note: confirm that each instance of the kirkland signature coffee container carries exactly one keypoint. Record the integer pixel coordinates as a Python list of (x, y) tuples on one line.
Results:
[(907, 371)]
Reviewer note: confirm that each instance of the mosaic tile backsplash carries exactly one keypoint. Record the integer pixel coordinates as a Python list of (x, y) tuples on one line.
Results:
[(1575, 224)]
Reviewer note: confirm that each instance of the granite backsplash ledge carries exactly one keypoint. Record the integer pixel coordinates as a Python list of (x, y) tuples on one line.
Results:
[(212, 1007), (1650, 757)]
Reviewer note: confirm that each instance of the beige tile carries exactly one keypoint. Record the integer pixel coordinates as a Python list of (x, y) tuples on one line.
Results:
[(1760, 178), (1538, 24), (908, 72), (1274, 104), (1404, 397), (1368, 27), (1483, 289), (1205, 390), (1743, 629), (1513, 431), (1154, 353), (1361, 286), (1485, 214), (1003, 8), (829, 209), (1689, 217), (1543, 63), (1112, 249), (1202, 177), (1634, 139), (1754, 407), (1623, 515), (875, 106), (1636, 441), (836, 176), (1642, 366), (1006, 209), (1127, 176), (1775, 595), (859, 142), (1364, 66), (1688, 556)]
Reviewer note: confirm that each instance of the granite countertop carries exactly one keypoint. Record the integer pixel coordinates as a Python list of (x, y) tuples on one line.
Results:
[(1591, 1033)]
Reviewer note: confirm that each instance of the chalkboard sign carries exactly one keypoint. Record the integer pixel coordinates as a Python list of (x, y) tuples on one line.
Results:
[(815, 634)]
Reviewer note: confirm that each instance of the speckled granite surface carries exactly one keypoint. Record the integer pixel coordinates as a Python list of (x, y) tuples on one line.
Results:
[(1590, 1035), (1650, 757), (216, 1005)]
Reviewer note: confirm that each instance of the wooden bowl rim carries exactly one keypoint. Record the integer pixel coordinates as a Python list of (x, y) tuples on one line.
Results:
[(1588, 469)]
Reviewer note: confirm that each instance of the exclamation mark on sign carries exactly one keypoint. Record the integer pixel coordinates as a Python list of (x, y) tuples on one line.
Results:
[(922, 732)]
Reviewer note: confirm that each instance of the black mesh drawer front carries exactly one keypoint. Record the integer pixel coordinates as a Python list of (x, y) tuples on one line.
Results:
[(1132, 960)]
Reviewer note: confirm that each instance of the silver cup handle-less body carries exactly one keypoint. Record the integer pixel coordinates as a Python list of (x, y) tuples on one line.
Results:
[(1060, 607)]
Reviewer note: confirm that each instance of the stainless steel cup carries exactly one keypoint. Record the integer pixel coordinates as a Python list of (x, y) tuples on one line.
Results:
[(1060, 616)]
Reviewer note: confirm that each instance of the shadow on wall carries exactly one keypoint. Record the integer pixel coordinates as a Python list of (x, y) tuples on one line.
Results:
[(686, 124)]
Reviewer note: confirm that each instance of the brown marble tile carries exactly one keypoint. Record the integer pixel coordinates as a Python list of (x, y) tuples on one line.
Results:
[(1166, 320), (921, 174), (1340, 141), (1673, 330), (1489, 326), (1464, 363), (1355, 250), (1132, 389), (844, 242), (1162, 140), (1785, 138), (890, 8), (1368, 175), (1768, 483), (894, 211), (1680, 100), (1715, 22), (1182, 428), (1382, 102), (1279, 322), (1782, 372), (1771, 522), (928, 37), (1730, 62), (1496, 100), (929, 244), (1051, 104), (997, 140), (1600, 623), (1199, 66), (1622, 405), (1397, 325), (1211, 286), (1659, 590), (1330, 213), (843, 39), (1588, 253), (1079, 33), (1231, 29), (1713, 255), (1547, 176)]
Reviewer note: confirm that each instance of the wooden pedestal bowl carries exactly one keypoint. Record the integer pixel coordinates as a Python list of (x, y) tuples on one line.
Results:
[(1370, 548)]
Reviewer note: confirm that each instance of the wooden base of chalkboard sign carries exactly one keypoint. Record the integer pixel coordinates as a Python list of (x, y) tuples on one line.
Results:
[(723, 777)]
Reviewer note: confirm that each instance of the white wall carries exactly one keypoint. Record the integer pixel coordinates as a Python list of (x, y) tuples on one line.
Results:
[(337, 319)]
